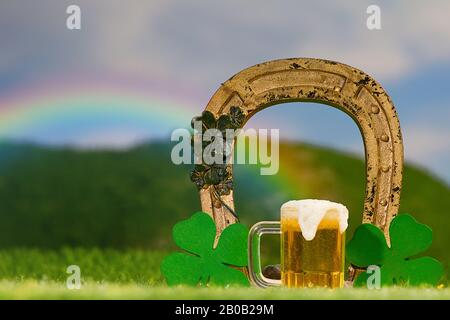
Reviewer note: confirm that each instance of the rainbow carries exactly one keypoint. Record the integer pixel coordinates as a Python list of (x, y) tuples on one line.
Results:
[(67, 111), (80, 110)]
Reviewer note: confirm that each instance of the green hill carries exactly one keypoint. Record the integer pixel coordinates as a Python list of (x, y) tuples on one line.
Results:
[(54, 197)]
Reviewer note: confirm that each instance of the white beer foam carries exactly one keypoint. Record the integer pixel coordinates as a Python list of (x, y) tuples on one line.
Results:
[(311, 212)]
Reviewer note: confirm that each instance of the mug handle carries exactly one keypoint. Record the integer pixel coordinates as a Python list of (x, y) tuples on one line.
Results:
[(254, 252)]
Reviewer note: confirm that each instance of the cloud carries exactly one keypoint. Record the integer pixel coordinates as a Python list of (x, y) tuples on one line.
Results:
[(206, 42), (203, 43), (111, 138), (424, 143), (429, 148), (427, 139)]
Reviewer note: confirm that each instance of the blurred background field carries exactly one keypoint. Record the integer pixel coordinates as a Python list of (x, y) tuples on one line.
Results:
[(111, 212)]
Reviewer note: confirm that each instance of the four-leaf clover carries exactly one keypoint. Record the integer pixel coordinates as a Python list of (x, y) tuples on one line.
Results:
[(408, 238), (203, 264), (216, 174)]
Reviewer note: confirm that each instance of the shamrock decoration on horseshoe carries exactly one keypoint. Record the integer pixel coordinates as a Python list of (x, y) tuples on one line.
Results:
[(217, 175)]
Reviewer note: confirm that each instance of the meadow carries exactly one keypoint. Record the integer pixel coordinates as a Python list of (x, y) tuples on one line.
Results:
[(111, 213), (134, 274)]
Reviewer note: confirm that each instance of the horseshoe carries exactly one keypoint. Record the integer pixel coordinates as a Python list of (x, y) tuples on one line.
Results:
[(335, 84)]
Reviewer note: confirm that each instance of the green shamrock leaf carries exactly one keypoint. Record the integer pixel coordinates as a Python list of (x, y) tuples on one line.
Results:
[(408, 238), (202, 263)]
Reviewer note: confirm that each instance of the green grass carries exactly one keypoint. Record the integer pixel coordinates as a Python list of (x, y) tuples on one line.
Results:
[(52, 290), (134, 274), (54, 198), (97, 265)]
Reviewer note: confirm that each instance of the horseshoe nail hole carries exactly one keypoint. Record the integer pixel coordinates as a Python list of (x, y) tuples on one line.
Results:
[(383, 202), (217, 204), (384, 138), (375, 110)]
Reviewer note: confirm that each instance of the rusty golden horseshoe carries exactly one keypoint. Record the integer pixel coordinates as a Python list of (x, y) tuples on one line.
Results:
[(334, 84)]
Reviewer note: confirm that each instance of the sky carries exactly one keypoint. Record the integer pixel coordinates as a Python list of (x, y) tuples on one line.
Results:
[(139, 69)]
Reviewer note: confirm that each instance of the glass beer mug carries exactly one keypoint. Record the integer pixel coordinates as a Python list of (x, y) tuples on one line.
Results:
[(312, 245)]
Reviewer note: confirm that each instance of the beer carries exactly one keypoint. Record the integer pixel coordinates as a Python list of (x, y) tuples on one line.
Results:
[(313, 243)]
